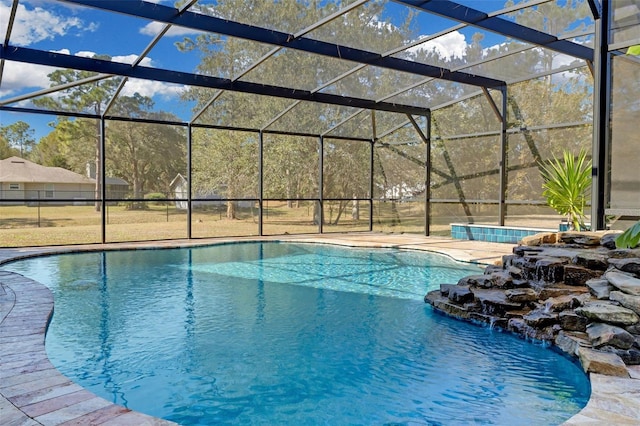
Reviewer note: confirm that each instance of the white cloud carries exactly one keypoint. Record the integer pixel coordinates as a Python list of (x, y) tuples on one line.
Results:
[(152, 88), (450, 45), (130, 59), (62, 51), (561, 60), (37, 24), (85, 54), (125, 59), (18, 76), (153, 28)]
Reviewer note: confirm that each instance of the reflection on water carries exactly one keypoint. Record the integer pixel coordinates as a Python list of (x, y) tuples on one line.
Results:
[(269, 333)]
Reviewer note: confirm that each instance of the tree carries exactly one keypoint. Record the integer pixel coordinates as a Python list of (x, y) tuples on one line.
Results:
[(50, 151), (225, 163), (149, 156), (468, 168), (71, 139), (6, 150), (291, 169), (19, 135), (346, 173), (90, 97)]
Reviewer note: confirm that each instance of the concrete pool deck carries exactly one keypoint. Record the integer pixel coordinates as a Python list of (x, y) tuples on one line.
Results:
[(33, 392)]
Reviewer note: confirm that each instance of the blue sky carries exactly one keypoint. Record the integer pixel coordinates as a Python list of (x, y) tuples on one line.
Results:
[(67, 28), (60, 27)]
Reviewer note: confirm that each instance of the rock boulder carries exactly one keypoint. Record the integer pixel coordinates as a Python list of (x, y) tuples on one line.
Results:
[(626, 300), (609, 335), (624, 282), (599, 362), (580, 293), (608, 312)]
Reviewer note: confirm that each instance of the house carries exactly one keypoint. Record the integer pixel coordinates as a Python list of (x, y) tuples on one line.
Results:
[(21, 179), (180, 189), (117, 189)]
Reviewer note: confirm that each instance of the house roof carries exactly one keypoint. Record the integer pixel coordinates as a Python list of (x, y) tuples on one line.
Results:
[(16, 169), (114, 181), (178, 180)]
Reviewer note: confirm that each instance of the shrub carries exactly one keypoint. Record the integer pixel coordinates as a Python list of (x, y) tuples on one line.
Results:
[(157, 196), (566, 186), (629, 238)]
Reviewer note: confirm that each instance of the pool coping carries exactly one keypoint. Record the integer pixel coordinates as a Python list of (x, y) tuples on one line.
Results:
[(34, 392)]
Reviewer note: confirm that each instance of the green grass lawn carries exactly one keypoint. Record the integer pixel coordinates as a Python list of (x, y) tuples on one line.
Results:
[(54, 225)]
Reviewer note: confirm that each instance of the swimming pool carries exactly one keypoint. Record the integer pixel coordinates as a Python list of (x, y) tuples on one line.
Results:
[(268, 333)]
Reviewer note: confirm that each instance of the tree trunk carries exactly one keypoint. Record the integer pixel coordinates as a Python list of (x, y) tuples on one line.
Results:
[(316, 213), (231, 210), (288, 185), (137, 193), (341, 207), (395, 216), (355, 211)]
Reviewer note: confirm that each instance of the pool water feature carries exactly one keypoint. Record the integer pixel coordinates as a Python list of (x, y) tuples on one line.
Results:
[(280, 333)]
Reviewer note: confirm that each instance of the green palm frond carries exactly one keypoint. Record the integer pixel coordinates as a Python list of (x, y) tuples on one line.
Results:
[(629, 238), (566, 185)]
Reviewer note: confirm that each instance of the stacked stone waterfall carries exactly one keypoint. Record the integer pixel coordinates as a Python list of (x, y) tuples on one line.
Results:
[(571, 289)]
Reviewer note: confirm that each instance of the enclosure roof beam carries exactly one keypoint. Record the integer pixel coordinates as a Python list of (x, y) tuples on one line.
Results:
[(12, 17), (53, 59), (361, 66), (195, 21), (275, 50), (452, 10), (472, 64), (176, 123), (355, 114), (417, 128), (596, 8), (492, 103), (143, 55), (54, 89)]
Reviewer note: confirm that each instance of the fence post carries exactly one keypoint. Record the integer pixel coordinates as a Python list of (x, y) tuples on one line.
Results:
[(38, 209)]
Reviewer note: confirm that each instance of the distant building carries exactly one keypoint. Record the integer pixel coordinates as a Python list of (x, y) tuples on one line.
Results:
[(117, 189), (180, 189), (21, 179)]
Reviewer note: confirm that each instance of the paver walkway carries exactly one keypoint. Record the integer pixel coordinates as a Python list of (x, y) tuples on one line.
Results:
[(33, 392)]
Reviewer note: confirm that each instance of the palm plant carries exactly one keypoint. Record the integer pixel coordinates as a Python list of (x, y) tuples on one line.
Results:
[(566, 186), (629, 238)]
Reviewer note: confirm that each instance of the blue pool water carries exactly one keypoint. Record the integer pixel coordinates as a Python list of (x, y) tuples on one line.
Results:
[(271, 333)]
